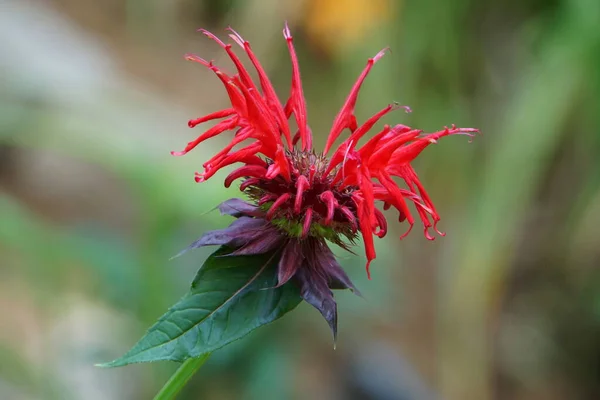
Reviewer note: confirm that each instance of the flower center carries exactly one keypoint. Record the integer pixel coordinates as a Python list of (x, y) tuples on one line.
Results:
[(310, 203)]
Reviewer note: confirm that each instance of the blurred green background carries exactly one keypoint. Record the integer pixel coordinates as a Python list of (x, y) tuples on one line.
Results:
[(94, 95)]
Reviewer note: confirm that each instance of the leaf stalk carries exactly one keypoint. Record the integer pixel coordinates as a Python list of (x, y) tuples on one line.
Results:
[(180, 377)]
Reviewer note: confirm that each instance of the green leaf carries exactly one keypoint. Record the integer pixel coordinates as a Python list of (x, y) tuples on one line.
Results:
[(229, 298)]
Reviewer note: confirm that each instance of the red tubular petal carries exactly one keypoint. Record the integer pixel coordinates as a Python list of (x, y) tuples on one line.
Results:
[(331, 202), (355, 137), (240, 136), (236, 37), (301, 185), (198, 177), (381, 222), (353, 124), (296, 137), (235, 96), (366, 151), (307, 221), (218, 114), (255, 160), (278, 203), (195, 58), (296, 101), (406, 154), (272, 171), (261, 119), (427, 234), (214, 131), (247, 170), (405, 234), (426, 223), (424, 210), (282, 163), (265, 130), (368, 268), (345, 118), (366, 231), (350, 143), (410, 173), (249, 182), (269, 92), (348, 173), (396, 196), (436, 229), (311, 174), (237, 100), (244, 155), (266, 198), (382, 154), (244, 75), (250, 158), (243, 131), (366, 187), (350, 217)]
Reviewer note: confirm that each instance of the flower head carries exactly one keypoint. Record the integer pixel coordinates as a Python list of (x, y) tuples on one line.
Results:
[(301, 198)]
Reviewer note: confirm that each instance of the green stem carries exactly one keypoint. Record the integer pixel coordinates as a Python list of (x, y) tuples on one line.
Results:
[(181, 377)]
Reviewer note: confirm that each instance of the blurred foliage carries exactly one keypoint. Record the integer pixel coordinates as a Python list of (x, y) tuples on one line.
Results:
[(93, 95)]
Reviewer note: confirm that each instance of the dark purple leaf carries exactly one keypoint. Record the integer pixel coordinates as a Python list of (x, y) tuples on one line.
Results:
[(338, 279), (290, 261), (239, 233), (237, 208), (268, 239), (315, 291)]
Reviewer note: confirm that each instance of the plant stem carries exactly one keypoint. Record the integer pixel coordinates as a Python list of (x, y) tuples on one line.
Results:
[(178, 380)]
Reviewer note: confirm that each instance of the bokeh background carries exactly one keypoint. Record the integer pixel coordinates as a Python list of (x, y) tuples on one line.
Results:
[(94, 95)]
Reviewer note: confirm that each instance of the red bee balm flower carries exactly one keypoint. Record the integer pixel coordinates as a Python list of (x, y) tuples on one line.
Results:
[(300, 199)]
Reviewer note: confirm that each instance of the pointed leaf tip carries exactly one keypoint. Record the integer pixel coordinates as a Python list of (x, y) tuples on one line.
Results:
[(236, 208), (224, 304), (315, 291)]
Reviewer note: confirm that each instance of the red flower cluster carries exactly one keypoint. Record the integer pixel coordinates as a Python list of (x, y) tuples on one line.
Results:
[(305, 188)]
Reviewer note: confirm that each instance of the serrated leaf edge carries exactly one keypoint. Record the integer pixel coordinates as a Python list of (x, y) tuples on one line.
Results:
[(116, 363)]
